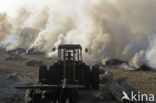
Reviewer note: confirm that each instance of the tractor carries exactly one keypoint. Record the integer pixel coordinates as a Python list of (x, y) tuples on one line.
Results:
[(62, 81)]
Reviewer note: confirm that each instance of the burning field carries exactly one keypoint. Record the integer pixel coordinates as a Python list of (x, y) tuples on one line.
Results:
[(119, 34), (110, 29)]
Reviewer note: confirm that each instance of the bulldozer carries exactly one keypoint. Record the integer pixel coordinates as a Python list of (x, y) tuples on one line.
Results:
[(62, 81)]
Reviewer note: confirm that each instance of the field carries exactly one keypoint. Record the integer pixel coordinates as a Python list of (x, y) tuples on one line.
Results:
[(144, 81)]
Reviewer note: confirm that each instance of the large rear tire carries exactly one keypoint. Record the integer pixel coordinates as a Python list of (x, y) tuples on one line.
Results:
[(87, 77), (54, 74), (43, 74), (95, 77)]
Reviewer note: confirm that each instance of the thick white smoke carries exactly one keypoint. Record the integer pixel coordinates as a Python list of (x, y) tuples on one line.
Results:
[(150, 53), (120, 29)]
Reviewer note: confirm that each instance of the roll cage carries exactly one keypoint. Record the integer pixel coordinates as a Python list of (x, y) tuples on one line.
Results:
[(69, 52)]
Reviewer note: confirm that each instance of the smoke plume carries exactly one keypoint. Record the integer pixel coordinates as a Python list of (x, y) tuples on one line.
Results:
[(121, 29)]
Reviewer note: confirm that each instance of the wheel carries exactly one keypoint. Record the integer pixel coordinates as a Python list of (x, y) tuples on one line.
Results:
[(87, 77), (95, 77), (43, 74), (54, 74)]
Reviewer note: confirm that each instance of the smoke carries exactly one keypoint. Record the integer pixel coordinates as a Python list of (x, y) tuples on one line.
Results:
[(150, 53), (138, 60), (5, 26), (20, 32), (120, 29)]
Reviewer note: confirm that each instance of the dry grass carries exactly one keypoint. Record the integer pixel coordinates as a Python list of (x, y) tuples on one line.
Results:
[(21, 68), (143, 81)]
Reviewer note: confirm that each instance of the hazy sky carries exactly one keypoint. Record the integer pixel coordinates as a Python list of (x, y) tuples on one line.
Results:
[(11, 6)]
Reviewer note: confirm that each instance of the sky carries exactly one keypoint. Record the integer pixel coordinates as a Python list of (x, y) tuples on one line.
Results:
[(12, 6)]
